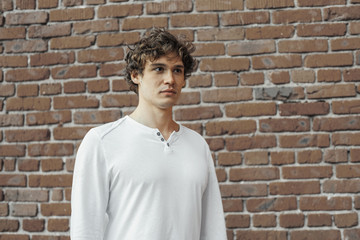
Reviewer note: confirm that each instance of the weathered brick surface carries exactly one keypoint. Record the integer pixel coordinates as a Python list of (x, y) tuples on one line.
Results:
[(275, 95)]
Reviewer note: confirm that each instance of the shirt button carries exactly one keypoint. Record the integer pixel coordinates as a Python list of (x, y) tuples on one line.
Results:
[(168, 144), (158, 133), (162, 139)]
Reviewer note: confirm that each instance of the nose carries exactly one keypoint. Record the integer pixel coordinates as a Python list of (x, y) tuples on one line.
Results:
[(169, 78)]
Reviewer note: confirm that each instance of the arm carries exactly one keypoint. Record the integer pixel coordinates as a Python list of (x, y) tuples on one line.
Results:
[(90, 191), (213, 222)]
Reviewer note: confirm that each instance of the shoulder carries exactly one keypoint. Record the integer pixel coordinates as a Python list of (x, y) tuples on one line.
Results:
[(193, 136), (103, 130)]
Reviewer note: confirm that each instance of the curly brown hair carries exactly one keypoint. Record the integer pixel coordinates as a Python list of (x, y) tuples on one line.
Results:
[(156, 44)]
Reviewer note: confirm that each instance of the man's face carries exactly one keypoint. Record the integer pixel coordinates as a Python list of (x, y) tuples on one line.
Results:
[(161, 82)]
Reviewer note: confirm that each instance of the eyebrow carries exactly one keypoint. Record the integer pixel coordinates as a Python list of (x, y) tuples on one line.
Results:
[(164, 65)]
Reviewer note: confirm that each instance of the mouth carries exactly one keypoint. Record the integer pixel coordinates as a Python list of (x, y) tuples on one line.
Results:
[(168, 91)]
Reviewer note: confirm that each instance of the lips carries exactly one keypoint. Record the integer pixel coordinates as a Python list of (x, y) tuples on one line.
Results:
[(168, 91)]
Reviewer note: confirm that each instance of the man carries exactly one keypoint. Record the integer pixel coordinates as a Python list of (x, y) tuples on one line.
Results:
[(146, 176)]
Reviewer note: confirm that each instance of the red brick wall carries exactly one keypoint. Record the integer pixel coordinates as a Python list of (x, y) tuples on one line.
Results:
[(275, 95)]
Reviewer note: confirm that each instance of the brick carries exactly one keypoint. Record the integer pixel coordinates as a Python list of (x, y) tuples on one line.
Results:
[(303, 141), (305, 109), (262, 234), (9, 225), (355, 155), (269, 32), (119, 100), (335, 155), (264, 220), (203, 80), (346, 107), (271, 204), (346, 220), (189, 98), (71, 14), (51, 149), (281, 158), (4, 209), (197, 113), (70, 133), (20, 46), (352, 234), (194, 20), (26, 104), (12, 150), (243, 190), (47, 31), (21, 75), (53, 164), (303, 76), (117, 39), (72, 3), (28, 165), (28, 90), (244, 18), (279, 77), (57, 195), (256, 158), (216, 34), (325, 204), (209, 49), (83, 71), (7, 120), (294, 188), (279, 93), (169, 7), (341, 186), (303, 46), (284, 125), (218, 5), (91, 117), (47, 59), (354, 28), (123, 10), (224, 64), (316, 234), (321, 29), (6, 6), (294, 16), (351, 75), (13, 61), (46, 118), (347, 171), (75, 102), (319, 220), (58, 225), (26, 195), (96, 86), (24, 210), (12, 180), (100, 55), (21, 18), (74, 87), (95, 26), (112, 69), (60, 180), (7, 90), (329, 75), (276, 62), (345, 139), (119, 85), (269, 4), (27, 135), (345, 44), (34, 225), (12, 33), (225, 79), (342, 13), (30, 4), (304, 172), (46, 4), (229, 158), (55, 209), (336, 124), (310, 3), (291, 220), (330, 91), (244, 143), (144, 23), (237, 221), (250, 109), (232, 205), (230, 127), (72, 42), (251, 47), (227, 95)]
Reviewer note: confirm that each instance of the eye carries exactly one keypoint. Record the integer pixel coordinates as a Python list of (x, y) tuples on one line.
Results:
[(178, 70), (158, 69)]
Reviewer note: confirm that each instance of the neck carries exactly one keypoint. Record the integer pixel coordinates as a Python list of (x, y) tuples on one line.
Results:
[(156, 118)]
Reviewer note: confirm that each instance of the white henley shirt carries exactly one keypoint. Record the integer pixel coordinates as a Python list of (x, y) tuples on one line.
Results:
[(131, 184)]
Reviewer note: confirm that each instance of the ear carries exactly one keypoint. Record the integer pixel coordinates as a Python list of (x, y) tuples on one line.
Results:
[(135, 77)]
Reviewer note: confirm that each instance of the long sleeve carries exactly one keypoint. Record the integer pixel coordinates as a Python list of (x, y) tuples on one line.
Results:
[(90, 190), (213, 222)]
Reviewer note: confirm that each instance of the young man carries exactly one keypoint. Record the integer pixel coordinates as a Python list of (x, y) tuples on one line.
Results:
[(146, 177)]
